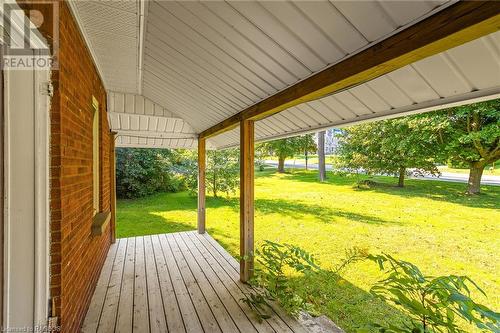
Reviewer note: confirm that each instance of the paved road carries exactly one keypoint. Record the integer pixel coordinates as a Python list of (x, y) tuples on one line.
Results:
[(445, 176)]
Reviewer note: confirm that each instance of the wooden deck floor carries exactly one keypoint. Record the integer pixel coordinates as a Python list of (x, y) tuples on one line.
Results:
[(181, 282)]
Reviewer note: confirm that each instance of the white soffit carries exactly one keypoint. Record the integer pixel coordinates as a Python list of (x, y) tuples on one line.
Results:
[(140, 122), (206, 61), (464, 74), (209, 60), (111, 30)]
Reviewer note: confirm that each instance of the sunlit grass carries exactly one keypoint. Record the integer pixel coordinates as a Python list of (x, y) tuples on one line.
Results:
[(430, 223)]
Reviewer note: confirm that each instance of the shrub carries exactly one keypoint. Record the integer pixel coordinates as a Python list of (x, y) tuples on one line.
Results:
[(270, 280), (365, 183), (141, 172)]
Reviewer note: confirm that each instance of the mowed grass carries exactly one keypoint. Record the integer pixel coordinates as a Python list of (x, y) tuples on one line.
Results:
[(429, 223)]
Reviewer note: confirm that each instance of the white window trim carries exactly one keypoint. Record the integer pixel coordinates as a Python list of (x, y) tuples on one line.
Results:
[(95, 156)]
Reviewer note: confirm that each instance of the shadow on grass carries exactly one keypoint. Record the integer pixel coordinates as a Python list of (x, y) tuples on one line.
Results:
[(424, 188), (347, 305), (296, 210), (142, 216)]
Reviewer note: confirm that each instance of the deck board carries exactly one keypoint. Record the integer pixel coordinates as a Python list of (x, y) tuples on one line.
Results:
[(94, 313), (229, 264), (191, 319), (110, 308), (182, 282), (157, 318), (240, 319), (126, 304), (141, 311), (175, 322)]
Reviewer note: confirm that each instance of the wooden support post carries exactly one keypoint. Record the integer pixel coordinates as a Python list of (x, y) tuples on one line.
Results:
[(112, 167), (201, 185), (246, 199)]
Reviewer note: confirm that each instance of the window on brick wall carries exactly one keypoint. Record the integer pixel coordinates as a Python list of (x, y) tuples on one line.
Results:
[(95, 154)]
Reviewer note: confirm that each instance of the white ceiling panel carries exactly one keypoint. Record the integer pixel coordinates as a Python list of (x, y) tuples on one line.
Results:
[(427, 85), (368, 17), (111, 30), (221, 57), (189, 65), (412, 84), (138, 120), (482, 69)]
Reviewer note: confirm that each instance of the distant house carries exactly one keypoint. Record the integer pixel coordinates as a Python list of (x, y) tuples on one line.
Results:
[(331, 140)]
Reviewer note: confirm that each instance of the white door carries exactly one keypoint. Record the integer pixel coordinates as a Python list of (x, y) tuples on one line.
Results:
[(26, 219)]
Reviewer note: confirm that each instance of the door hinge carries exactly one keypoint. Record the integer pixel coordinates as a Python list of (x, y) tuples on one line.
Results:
[(53, 324), (46, 89)]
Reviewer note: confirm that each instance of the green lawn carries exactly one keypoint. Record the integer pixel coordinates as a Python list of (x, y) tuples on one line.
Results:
[(430, 223)]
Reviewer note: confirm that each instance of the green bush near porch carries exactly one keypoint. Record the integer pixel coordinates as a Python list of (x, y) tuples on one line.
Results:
[(429, 223)]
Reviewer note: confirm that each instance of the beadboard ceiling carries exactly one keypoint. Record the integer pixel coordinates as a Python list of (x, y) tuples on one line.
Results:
[(205, 61)]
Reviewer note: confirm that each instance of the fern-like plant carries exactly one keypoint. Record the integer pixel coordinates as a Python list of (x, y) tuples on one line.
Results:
[(433, 304), (270, 280)]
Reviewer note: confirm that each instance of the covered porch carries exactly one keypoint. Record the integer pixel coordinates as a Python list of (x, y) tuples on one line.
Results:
[(203, 81), (178, 282), (218, 75)]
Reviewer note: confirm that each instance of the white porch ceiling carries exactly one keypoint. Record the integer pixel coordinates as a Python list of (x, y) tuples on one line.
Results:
[(468, 73), (140, 122), (205, 61)]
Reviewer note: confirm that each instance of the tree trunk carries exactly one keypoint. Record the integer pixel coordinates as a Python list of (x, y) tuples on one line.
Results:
[(321, 156), (214, 184), (475, 174), (402, 173), (281, 164), (305, 153)]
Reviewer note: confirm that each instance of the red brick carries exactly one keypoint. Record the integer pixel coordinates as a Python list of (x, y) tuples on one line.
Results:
[(76, 257)]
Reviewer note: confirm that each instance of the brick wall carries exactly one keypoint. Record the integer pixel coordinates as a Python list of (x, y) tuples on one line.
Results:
[(76, 256)]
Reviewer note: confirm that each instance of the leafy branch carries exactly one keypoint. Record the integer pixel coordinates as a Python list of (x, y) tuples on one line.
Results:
[(433, 304)]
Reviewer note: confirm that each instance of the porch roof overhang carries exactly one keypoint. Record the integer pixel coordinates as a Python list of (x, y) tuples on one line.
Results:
[(175, 70)]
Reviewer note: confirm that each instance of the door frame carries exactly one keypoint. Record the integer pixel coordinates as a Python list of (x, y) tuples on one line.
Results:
[(33, 230), (2, 184)]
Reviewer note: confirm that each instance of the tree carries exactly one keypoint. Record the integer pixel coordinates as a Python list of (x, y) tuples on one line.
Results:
[(306, 145), (260, 155), (222, 173), (391, 146), (470, 135), (321, 156), (283, 148)]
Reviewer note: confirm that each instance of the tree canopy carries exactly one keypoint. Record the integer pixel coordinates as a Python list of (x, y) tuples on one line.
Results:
[(306, 145), (464, 135), (394, 146), (222, 173), (470, 135), (284, 148)]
